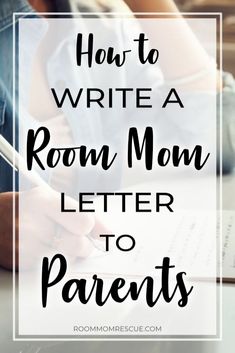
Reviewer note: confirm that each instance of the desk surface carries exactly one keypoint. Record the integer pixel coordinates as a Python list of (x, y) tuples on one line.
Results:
[(226, 346)]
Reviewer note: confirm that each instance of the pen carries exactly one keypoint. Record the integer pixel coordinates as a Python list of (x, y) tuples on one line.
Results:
[(17, 162)]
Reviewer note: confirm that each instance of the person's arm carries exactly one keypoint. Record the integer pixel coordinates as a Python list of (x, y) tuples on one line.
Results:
[(185, 41), (228, 83), (152, 5)]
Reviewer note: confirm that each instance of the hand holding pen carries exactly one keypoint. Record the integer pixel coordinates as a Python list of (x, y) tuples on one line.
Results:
[(43, 227)]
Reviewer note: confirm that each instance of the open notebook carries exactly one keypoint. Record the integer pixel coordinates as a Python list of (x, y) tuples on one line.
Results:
[(189, 241), (228, 246)]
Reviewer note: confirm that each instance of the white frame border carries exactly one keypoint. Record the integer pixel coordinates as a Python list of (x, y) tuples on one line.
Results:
[(218, 15)]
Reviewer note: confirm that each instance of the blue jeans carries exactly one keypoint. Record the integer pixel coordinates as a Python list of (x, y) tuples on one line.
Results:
[(7, 7)]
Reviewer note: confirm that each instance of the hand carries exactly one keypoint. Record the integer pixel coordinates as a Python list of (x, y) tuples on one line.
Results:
[(43, 228), (6, 229)]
